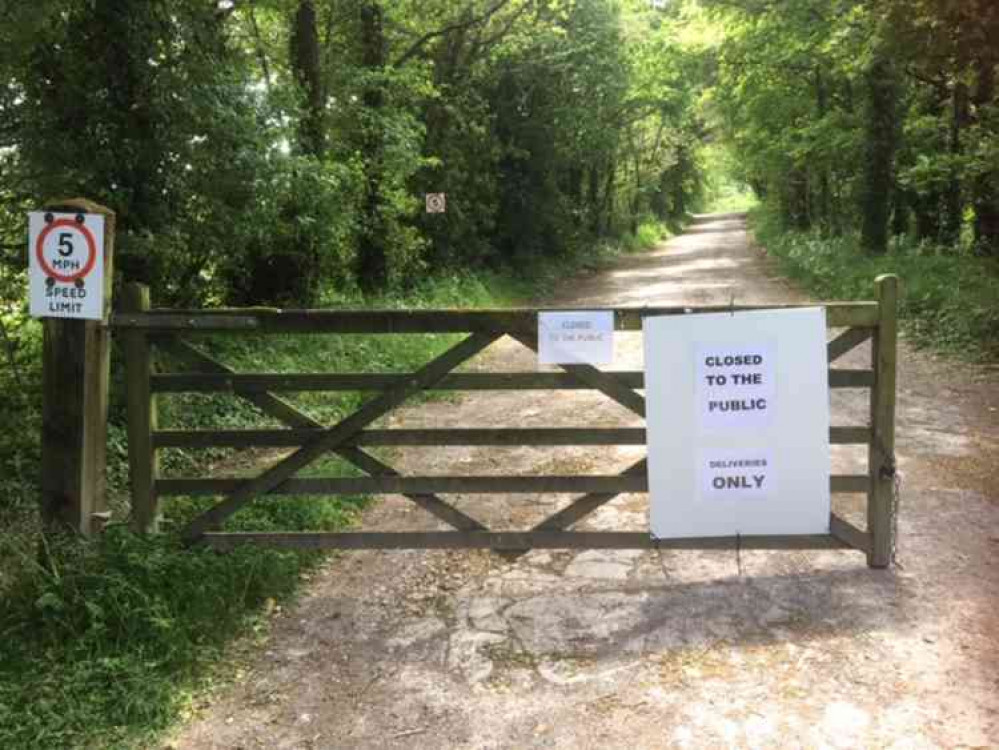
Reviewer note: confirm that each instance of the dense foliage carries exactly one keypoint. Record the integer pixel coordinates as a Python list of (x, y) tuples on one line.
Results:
[(268, 152), (950, 302), (879, 118)]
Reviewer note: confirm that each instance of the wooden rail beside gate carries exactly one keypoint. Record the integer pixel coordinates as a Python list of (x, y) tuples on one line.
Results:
[(144, 328)]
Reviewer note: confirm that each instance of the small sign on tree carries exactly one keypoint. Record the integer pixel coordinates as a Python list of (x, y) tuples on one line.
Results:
[(436, 203)]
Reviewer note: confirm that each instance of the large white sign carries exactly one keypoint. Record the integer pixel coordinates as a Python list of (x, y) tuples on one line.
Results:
[(576, 337), (738, 423), (66, 265)]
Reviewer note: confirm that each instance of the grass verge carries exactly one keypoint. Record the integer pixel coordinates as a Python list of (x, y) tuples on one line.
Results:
[(949, 302), (103, 644)]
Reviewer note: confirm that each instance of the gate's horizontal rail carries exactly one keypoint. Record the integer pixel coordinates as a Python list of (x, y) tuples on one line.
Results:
[(449, 485), (400, 485), (516, 540), (554, 436), (551, 436), (465, 381), (838, 315)]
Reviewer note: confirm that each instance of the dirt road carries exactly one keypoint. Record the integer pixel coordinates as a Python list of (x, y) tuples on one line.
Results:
[(643, 650)]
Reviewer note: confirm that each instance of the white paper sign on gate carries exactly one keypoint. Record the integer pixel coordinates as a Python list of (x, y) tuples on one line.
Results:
[(738, 423), (735, 475), (66, 265), (585, 337), (736, 384)]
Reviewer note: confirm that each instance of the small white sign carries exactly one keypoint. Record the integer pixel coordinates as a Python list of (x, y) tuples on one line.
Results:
[(436, 203), (576, 337), (66, 265), (737, 475), (738, 423), (735, 385)]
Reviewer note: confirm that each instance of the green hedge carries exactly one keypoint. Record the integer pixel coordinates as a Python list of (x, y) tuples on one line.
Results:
[(950, 299)]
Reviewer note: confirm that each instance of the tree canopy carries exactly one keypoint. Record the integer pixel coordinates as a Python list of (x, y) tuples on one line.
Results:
[(269, 151), (880, 116), (275, 151)]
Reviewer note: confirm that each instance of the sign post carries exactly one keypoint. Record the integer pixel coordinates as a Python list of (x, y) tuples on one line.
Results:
[(738, 418), (70, 253)]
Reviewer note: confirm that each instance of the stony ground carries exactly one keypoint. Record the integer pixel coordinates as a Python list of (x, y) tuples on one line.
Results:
[(642, 650)]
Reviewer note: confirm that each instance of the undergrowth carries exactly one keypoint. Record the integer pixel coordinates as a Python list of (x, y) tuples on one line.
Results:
[(949, 298), (103, 643)]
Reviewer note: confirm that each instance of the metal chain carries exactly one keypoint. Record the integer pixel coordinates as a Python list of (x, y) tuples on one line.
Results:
[(896, 501), (890, 471)]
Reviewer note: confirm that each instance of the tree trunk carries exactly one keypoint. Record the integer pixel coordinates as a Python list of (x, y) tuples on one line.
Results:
[(593, 199), (900, 211), (986, 185), (610, 180), (372, 253), (927, 204), (305, 64), (797, 199), (954, 194), (881, 143), (679, 197), (822, 104)]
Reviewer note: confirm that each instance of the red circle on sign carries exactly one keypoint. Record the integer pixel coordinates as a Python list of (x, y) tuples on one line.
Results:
[(91, 251)]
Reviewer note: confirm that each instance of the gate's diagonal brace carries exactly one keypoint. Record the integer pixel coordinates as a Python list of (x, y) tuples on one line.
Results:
[(585, 505), (284, 412), (430, 503), (268, 403), (577, 510), (591, 376), (423, 378), (849, 534), (849, 339)]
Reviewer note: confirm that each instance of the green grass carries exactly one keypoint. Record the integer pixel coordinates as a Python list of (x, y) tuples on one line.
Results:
[(650, 233), (103, 643), (949, 302)]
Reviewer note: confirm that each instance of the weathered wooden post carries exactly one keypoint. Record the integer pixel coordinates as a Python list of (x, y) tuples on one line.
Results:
[(141, 415), (881, 457), (76, 369)]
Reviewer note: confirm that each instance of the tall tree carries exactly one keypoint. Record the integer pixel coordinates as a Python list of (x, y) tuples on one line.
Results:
[(881, 145), (304, 53), (372, 253)]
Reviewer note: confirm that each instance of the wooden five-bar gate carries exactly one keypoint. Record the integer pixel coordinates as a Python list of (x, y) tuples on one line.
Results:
[(307, 440)]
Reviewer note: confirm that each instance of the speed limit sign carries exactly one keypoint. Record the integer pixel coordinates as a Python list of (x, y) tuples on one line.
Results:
[(66, 265)]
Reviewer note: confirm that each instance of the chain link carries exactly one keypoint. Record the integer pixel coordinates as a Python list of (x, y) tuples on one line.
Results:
[(896, 501), (890, 471)]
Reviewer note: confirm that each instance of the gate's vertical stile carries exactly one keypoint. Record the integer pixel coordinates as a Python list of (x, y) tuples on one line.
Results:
[(141, 414), (75, 383), (880, 506)]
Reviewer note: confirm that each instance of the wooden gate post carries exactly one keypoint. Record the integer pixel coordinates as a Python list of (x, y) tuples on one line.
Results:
[(881, 457), (141, 415), (76, 367)]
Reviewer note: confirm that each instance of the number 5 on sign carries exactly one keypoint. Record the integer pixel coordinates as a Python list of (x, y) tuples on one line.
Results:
[(66, 265)]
